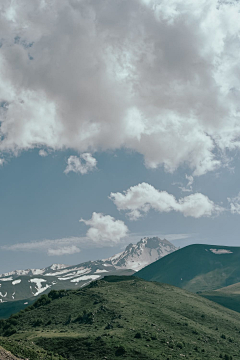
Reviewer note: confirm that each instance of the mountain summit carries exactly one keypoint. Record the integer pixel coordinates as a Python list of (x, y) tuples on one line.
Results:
[(145, 252)]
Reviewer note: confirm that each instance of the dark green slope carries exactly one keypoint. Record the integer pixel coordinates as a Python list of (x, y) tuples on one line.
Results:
[(123, 318), (9, 308), (196, 268), (228, 296)]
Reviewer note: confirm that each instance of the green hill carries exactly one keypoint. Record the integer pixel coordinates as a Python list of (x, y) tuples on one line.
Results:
[(123, 318), (196, 268)]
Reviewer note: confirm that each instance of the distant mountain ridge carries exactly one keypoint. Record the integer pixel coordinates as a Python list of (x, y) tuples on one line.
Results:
[(53, 267), (25, 284), (197, 268)]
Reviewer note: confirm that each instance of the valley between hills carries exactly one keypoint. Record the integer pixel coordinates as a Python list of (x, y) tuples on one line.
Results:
[(162, 311)]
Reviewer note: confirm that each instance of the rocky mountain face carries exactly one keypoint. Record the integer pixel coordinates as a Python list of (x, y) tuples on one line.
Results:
[(26, 284), (145, 252)]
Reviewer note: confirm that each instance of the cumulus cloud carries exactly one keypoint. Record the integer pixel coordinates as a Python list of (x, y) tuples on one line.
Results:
[(235, 204), (83, 164), (139, 199), (158, 77), (105, 229)]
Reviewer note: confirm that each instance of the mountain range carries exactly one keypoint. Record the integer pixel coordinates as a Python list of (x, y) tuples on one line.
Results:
[(26, 284)]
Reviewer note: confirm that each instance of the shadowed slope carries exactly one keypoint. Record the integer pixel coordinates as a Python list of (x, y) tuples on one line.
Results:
[(196, 268)]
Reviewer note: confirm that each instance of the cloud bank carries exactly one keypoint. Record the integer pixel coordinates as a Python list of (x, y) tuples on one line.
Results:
[(158, 77), (139, 199)]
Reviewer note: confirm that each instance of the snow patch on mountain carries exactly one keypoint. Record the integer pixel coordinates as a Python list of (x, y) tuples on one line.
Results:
[(221, 251), (86, 277), (15, 282), (39, 286)]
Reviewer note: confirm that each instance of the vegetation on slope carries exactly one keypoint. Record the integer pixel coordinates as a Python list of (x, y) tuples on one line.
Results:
[(123, 317), (196, 268)]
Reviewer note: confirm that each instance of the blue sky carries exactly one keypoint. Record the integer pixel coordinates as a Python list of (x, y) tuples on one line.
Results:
[(118, 120), (41, 202)]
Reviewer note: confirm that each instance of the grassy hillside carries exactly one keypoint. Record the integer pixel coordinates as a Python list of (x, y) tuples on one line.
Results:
[(197, 268), (123, 317)]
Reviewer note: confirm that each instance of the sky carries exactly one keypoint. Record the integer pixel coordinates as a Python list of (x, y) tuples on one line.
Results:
[(118, 120)]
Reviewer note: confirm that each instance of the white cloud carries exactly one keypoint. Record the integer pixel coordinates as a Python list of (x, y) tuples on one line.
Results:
[(43, 153), (55, 247), (2, 161), (65, 250), (188, 187), (235, 204), (157, 77), (139, 199), (83, 164), (105, 229)]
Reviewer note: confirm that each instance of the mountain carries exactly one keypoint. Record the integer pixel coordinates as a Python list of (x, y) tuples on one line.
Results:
[(26, 284), (123, 317), (145, 252), (197, 268)]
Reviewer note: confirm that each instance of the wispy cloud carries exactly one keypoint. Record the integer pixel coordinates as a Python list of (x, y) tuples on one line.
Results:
[(235, 204), (65, 250), (51, 247), (188, 187)]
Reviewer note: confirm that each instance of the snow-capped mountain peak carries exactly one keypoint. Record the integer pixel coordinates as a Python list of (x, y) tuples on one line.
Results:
[(146, 251)]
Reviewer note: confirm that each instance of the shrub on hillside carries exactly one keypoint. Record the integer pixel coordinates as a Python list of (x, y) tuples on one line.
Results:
[(85, 318), (56, 294), (43, 300)]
